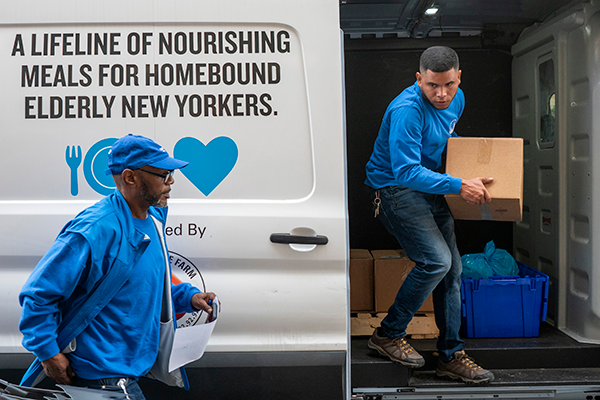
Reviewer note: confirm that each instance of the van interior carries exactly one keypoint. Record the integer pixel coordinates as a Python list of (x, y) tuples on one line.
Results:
[(495, 41)]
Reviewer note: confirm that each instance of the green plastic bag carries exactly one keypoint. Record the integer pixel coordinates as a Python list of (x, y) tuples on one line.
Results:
[(492, 262)]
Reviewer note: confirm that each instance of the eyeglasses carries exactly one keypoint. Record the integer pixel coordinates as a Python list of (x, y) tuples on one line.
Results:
[(164, 176)]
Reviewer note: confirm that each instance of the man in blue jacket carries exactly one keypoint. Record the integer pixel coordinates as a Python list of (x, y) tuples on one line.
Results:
[(408, 197), (95, 305)]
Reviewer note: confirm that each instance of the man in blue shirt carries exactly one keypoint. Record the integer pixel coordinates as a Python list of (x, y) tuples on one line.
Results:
[(104, 287), (408, 197)]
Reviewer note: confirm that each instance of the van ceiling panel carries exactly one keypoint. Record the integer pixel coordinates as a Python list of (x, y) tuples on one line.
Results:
[(406, 18)]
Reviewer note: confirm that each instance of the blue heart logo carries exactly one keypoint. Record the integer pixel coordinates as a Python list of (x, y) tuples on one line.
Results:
[(209, 164)]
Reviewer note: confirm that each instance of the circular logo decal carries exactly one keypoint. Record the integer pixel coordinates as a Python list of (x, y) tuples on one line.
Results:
[(183, 270), (452, 125), (94, 165)]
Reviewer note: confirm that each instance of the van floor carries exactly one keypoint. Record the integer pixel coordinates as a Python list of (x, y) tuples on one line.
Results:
[(553, 358)]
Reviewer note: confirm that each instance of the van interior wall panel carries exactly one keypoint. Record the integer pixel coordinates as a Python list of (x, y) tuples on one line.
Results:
[(537, 235), (373, 79), (583, 273), (559, 122)]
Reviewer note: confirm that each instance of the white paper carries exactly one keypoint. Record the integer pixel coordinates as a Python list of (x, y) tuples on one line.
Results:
[(189, 343)]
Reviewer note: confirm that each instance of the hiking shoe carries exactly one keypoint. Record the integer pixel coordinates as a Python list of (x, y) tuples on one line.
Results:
[(463, 367), (396, 350)]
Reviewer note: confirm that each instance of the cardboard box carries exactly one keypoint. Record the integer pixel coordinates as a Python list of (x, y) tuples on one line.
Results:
[(498, 158), (391, 269), (361, 280)]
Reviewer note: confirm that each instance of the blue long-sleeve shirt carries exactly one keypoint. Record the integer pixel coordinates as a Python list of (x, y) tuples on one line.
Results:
[(408, 150)]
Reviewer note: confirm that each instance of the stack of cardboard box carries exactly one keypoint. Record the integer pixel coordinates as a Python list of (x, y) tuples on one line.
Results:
[(361, 280), (375, 278)]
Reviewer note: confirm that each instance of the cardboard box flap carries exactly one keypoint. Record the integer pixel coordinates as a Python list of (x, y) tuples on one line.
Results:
[(388, 254), (360, 254)]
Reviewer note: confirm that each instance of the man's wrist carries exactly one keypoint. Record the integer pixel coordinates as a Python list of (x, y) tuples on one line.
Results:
[(192, 301), (455, 185)]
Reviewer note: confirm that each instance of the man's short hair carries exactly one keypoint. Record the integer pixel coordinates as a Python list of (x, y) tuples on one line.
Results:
[(438, 59)]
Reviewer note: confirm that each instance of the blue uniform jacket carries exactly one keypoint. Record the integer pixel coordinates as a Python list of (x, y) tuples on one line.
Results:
[(51, 320)]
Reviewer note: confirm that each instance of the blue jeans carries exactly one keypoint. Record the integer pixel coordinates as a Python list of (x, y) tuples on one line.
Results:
[(111, 384), (424, 227)]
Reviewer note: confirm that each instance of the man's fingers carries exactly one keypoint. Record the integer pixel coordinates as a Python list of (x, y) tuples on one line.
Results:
[(59, 376), (488, 197), (206, 307), (58, 369), (203, 301)]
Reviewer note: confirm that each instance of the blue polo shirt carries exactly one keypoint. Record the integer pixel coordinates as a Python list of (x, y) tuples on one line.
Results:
[(412, 137)]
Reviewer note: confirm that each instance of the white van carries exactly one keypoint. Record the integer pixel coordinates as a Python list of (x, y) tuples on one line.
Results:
[(250, 93)]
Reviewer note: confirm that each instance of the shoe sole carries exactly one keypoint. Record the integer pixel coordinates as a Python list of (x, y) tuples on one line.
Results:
[(380, 350), (464, 379)]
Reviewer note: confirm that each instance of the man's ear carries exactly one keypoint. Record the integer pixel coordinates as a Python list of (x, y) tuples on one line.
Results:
[(128, 177), (418, 74)]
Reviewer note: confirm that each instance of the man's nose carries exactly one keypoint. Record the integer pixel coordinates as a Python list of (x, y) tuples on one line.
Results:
[(442, 92)]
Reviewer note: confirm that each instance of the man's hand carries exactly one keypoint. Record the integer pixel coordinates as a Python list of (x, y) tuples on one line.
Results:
[(474, 191), (59, 369), (200, 301)]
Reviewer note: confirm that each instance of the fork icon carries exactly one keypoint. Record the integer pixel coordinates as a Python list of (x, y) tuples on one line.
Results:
[(73, 162)]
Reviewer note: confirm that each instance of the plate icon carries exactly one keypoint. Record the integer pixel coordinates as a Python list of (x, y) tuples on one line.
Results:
[(94, 165)]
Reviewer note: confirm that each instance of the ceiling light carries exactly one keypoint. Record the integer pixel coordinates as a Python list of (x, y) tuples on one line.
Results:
[(432, 10)]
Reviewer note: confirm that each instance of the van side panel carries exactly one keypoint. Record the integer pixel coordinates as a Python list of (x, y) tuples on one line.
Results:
[(251, 94)]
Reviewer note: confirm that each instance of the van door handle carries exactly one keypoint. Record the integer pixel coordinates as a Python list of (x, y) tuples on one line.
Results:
[(287, 238)]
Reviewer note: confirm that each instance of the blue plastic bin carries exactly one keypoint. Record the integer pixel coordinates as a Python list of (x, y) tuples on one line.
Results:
[(505, 306)]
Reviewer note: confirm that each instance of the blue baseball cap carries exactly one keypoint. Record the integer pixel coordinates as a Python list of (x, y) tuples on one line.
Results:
[(134, 151)]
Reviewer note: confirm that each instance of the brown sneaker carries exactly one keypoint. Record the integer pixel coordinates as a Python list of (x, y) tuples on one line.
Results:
[(463, 367), (396, 350)]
